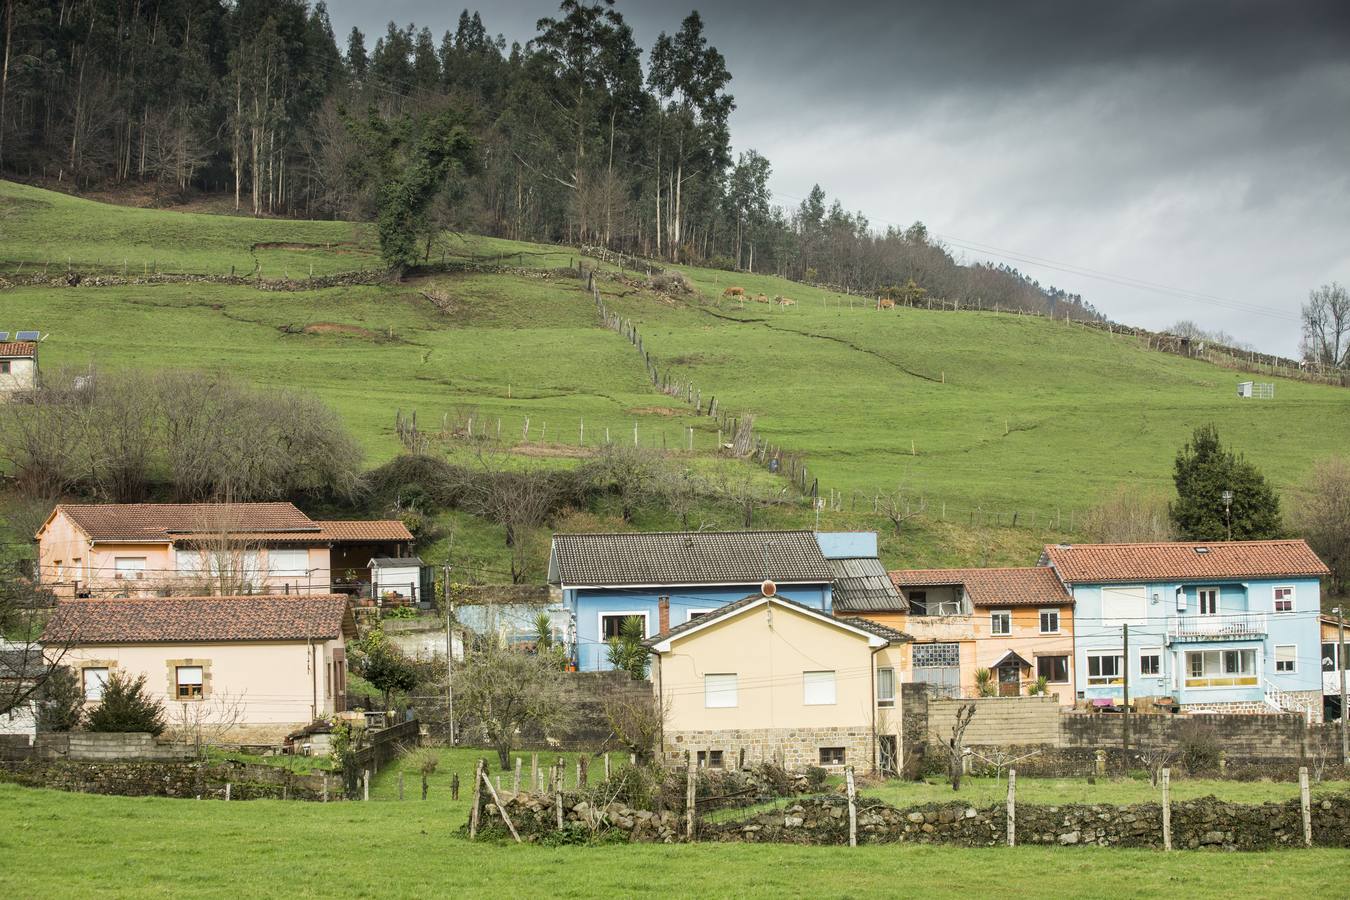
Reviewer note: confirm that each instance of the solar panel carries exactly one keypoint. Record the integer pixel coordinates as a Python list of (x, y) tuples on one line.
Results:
[(27, 335), (4, 336)]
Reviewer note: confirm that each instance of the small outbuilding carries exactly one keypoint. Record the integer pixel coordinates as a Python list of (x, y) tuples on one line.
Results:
[(18, 366), (401, 581), (1256, 389)]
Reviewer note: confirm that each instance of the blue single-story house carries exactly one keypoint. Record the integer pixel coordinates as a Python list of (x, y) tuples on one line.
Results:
[(669, 578), (1215, 627)]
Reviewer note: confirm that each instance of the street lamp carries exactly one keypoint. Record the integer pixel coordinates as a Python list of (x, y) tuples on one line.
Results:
[(1228, 511)]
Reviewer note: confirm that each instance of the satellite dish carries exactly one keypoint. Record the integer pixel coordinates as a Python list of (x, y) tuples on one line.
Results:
[(768, 588)]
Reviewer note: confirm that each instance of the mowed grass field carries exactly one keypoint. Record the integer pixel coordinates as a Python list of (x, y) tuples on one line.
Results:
[(977, 413), (63, 845)]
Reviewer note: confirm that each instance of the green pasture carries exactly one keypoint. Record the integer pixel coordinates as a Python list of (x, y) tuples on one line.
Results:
[(979, 415), (62, 845)]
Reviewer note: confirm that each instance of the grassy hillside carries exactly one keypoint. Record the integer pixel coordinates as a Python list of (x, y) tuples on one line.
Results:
[(973, 411)]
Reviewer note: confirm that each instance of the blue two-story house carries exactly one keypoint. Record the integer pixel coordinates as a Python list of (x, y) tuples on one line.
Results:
[(669, 578), (1215, 627)]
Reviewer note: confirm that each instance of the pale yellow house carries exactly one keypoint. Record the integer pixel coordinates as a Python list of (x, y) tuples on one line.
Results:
[(777, 680), (242, 669), (18, 367), (152, 549)]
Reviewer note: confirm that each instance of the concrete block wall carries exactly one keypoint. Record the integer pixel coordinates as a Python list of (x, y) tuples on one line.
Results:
[(91, 746), (998, 720)]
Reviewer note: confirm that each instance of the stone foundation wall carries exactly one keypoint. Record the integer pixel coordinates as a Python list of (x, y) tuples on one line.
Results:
[(1258, 708), (793, 748)]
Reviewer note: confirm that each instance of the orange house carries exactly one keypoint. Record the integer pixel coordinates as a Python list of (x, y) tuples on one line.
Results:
[(147, 549), (1015, 622)]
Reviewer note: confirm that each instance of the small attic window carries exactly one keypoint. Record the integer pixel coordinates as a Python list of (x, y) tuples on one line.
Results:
[(1202, 550)]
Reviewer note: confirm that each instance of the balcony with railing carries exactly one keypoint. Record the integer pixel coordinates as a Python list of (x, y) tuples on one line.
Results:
[(1231, 626)]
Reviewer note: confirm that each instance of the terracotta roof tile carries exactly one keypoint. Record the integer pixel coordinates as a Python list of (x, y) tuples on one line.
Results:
[(1087, 563), (158, 521), (1024, 586), (191, 619), (687, 557), (263, 522), (13, 349), (365, 530)]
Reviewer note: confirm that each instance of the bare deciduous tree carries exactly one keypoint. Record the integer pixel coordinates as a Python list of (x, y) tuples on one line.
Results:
[(955, 750), (27, 662), (1326, 326), (899, 508), (1128, 515), (506, 692), (637, 722), (1322, 515), (202, 723)]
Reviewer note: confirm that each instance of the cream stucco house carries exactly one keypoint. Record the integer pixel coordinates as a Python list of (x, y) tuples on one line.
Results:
[(247, 669), (18, 367), (149, 549), (778, 680)]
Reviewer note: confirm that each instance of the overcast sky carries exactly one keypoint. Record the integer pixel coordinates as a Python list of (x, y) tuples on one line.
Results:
[(1201, 147)]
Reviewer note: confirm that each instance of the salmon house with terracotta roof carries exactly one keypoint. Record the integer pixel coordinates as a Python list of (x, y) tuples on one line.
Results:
[(1206, 627), (144, 549)]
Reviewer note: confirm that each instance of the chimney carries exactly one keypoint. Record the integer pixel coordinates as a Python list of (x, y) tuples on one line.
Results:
[(663, 614)]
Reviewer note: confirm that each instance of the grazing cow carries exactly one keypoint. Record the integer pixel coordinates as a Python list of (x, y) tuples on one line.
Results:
[(734, 292), (784, 301), (885, 303), (760, 298)]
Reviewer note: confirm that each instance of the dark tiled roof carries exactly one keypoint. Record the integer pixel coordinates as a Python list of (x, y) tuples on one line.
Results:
[(1178, 561), (881, 631), (14, 349), (864, 585), (192, 619), (722, 612), (22, 663), (696, 557), (1025, 586)]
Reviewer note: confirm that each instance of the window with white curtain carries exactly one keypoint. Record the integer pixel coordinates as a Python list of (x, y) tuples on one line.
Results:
[(886, 686), (94, 678), (719, 691), (818, 688), (288, 562)]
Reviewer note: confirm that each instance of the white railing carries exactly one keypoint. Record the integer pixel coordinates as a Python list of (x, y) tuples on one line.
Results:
[(1235, 625), (1290, 703)]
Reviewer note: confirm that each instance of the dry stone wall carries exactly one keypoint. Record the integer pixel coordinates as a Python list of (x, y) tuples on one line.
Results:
[(169, 779)]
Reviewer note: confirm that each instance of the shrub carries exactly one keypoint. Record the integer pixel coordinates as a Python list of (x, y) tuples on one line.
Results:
[(60, 704), (127, 708), (1198, 746)]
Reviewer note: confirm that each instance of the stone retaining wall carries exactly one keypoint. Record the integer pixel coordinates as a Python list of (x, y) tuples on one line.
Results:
[(1206, 823), (169, 779)]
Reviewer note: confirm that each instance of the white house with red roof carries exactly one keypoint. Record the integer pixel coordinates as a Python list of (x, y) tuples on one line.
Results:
[(1213, 627)]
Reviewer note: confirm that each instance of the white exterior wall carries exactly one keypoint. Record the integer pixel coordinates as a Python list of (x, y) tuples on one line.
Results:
[(22, 375)]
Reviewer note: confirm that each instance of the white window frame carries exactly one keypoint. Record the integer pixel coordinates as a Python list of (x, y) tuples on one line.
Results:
[(1156, 653), (1221, 674), (120, 571), (722, 694), (692, 614), (601, 616), (102, 682), (994, 616), (1275, 599), (882, 699), (819, 690), (1200, 603), (276, 570), (1293, 659), (178, 682), (1106, 680), (1049, 611)]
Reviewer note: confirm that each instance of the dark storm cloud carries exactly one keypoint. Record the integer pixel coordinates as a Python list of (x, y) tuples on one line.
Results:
[(1200, 145)]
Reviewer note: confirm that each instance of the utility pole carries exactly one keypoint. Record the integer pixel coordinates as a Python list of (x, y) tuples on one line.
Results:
[(1340, 668), (1125, 680), (449, 658), (1228, 512)]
